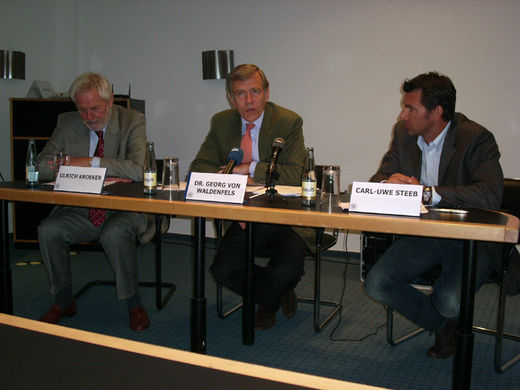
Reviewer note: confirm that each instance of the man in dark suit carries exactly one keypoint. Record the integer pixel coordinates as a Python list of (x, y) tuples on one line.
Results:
[(457, 162), (99, 134), (253, 124)]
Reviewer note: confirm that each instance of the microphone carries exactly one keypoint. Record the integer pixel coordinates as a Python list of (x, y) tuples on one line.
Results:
[(277, 147), (235, 157)]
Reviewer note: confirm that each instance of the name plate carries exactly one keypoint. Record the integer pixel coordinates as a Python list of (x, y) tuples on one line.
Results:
[(80, 179), (386, 198), (216, 187)]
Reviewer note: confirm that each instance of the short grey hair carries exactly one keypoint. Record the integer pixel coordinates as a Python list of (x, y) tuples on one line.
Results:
[(88, 81)]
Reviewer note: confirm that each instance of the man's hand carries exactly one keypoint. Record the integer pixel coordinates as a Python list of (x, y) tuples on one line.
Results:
[(80, 161), (399, 178), (242, 169), (117, 180)]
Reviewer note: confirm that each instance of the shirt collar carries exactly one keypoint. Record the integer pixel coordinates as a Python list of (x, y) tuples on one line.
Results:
[(437, 142), (258, 124)]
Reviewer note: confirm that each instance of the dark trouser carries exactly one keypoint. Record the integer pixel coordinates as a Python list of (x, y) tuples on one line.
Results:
[(389, 279), (286, 252)]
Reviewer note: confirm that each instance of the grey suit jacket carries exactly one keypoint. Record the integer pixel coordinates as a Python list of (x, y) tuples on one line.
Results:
[(470, 175), (124, 149), (226, 133), (124, 143)]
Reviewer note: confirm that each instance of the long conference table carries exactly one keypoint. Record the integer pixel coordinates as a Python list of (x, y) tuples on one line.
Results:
[(474, 226)]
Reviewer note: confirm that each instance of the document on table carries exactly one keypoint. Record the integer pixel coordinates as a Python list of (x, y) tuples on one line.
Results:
[(282, 190), (345, 206)]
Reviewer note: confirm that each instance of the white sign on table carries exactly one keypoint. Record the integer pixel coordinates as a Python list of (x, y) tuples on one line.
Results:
[(216, 187), (386, 198), (80, 179)]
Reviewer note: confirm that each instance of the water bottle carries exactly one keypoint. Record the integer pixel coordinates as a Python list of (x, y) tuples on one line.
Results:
[(31, 170), (150, 171), (309, 180)]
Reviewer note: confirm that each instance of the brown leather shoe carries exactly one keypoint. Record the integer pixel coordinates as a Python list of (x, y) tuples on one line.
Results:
[(56, 313), (264, 320), (139, 319), (289, 304), (445, 342)]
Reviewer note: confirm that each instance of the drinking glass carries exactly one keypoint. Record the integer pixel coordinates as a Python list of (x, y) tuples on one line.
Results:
[(59, 159), (330, 186), (170, 175)]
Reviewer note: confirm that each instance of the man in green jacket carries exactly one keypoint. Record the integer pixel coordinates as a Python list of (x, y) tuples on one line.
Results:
[(253, 124)]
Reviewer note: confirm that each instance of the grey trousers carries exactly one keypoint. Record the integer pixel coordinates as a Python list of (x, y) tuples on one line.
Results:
[(118, 235)]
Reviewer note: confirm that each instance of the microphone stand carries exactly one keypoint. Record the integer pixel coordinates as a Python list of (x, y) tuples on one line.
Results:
[(271, 191)]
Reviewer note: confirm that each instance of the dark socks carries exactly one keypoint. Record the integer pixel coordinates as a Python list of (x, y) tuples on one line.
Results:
[(64, 298), (133, 301)]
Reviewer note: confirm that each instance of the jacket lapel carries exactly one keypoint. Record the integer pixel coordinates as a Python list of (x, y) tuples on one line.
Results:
[(448, 150), (111, 137), (266, 134), (235, 138), (416, 158)]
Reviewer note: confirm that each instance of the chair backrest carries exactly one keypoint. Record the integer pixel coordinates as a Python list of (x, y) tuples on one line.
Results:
[(511, 199), (373, 245), (159, 163), (318, 169)]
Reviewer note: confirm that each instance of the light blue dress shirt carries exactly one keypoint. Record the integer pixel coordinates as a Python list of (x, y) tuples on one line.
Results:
[(431, 157)]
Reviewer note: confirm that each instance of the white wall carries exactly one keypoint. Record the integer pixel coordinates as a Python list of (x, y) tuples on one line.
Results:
[(338, 63)]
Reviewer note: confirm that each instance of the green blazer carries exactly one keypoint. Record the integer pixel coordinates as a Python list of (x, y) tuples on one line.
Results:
[(226, 133)]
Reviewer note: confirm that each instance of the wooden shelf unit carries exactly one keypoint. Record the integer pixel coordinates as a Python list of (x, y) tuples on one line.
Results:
[(36, 118)]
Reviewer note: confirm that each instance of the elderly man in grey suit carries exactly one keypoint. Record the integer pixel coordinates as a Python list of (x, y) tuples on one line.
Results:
[(99, 134), (457, 162), (253, 124)]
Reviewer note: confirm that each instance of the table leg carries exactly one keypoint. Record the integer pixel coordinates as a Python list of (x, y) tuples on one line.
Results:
[(248, 309), (6, 283), (463, 359), (198, 301)]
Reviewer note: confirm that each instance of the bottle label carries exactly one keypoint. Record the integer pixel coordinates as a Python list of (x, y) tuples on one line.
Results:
[(308, 189), (150, 179), (31, 174)]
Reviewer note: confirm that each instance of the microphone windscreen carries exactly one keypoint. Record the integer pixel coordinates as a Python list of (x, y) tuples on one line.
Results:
[(278, 143), (236, 154)]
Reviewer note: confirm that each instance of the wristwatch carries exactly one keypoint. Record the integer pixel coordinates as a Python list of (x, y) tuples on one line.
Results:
[(427, 196)]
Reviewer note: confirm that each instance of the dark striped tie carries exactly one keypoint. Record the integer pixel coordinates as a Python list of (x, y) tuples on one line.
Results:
[(97, 216)]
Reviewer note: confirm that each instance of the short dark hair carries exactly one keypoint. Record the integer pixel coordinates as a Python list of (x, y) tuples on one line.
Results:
[(243, 72), (437, 90)]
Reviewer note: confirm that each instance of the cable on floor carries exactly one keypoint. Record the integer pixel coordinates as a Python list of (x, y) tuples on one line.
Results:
[(342, 295)]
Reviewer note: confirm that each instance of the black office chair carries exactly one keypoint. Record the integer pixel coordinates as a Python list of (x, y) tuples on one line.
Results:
[(324, 241), (376, 244), (373, 245), (160, 301), (510, 205), (219, 232), (162, 222)]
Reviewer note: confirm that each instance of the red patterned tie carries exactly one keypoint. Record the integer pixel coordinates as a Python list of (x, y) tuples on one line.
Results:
[(247, 144), (247, 147), (97, 216)]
